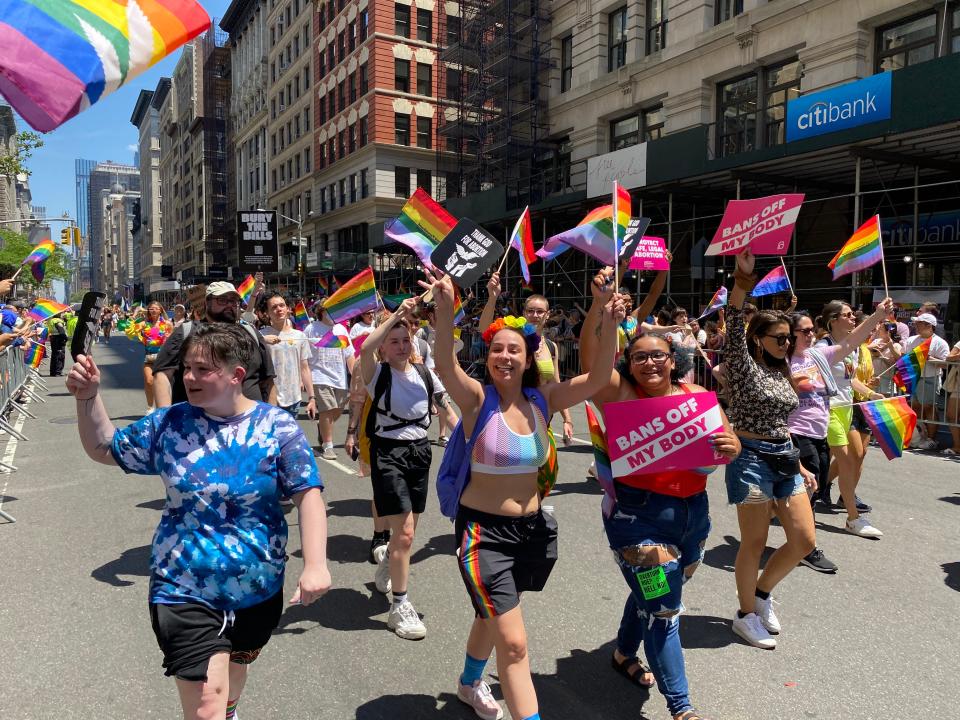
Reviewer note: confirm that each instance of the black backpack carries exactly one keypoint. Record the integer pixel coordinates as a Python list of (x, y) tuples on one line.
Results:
[(372, 407)]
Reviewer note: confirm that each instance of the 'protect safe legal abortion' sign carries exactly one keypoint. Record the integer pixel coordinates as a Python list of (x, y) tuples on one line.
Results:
[(664, 433)]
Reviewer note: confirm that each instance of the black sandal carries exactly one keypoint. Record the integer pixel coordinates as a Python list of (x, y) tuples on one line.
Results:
[(623, 668)]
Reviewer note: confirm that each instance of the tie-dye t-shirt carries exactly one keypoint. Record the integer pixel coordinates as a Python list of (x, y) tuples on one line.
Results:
[(222, 536)]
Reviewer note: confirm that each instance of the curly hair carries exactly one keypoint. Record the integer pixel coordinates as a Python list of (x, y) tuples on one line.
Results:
[(682, 361)]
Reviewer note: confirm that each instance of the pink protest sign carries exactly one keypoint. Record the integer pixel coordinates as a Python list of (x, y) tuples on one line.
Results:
[(358, 343), (651, 254), (765, 224), (665, 433)]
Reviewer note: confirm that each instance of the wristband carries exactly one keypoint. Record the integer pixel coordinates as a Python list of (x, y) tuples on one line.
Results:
[(351, 431)]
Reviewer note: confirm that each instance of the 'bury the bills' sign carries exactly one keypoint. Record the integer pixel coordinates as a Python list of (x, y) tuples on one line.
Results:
[(257, 234), (466, 253)]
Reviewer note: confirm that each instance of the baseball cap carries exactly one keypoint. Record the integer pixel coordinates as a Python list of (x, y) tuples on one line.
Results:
[(925, 318), (221, 288)]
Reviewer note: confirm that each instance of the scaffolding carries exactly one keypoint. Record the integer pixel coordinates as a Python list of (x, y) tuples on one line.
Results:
[(494, 131), (219, 203)]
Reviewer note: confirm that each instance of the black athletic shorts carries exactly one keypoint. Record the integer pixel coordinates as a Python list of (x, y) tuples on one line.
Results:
[(189, 634), (400, 473), (859, 421), (500, 557)]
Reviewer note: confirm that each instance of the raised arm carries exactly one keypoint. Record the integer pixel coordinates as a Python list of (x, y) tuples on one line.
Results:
[(656, 288), (861, 332), (601, 289), (96, 430), (489, 313), (368, 353)]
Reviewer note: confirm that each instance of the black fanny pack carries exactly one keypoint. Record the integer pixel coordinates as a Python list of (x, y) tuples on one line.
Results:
[(786, 463)]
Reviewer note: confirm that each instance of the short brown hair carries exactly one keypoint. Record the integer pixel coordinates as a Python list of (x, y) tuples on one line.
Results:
[(227, 345)]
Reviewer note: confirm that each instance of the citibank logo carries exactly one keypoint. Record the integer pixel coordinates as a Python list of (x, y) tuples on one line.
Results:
[(847, 106)]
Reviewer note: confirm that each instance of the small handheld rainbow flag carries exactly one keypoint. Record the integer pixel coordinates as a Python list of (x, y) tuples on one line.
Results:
[(334, 283), (358, 295), (300, 317), (595, 234), (773, 282), (324, 284), (246, 289), (458, 313), (892, 421), (35, 355), (43, 334), (910, 367), (521, 240), (861, 251), (718, 301), (421, 225), (45, 309), (329, 340), (601, 455), (622, 209), (38, 257)]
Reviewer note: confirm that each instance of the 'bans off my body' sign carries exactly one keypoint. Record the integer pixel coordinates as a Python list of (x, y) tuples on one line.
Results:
[(664, 433), (765, 224)]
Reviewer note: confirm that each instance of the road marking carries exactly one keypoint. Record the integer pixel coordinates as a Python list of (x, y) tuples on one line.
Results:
[(10, 452), (340, 466), (582, 442)]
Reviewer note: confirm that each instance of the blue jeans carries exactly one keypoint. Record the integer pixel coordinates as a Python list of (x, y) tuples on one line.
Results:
[(292, 409), (657, 541)]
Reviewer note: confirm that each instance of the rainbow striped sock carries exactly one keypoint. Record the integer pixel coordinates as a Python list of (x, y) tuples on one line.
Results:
[(232, 709)]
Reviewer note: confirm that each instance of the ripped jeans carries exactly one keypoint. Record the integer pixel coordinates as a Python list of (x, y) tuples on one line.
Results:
[(657, 541)]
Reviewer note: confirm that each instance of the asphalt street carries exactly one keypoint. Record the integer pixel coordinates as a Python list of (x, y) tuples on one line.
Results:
[(877, 641)]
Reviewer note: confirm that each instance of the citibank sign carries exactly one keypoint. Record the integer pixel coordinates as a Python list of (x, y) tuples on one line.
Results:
[(847, 106)]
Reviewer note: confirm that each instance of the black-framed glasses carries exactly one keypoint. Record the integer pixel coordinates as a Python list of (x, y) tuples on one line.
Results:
[(781, 340), (658, 356), (805, 331)]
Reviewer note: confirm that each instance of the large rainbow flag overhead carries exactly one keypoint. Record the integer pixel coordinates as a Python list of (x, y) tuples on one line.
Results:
[(594, 235), (892, 422), (910, 367), (421, 225), (521, 240), (62, 56), (356, 296), (861, 251)]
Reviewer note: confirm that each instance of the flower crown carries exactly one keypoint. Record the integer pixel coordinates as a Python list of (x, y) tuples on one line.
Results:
[(520, 324)]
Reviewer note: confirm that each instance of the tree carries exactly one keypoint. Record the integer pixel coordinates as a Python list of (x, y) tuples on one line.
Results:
[(26, 143), (15, 247)]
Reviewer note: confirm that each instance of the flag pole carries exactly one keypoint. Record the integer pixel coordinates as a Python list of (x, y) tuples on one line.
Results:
[(883, 260), (787, 274), (616, 242)]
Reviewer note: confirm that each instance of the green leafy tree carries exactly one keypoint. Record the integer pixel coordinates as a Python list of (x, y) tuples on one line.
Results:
[(16, 164), (15, 247)]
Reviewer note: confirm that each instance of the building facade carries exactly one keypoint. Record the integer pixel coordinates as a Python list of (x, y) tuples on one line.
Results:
[(9, 206), (108, 179), (81, 254), (119, 212), (147, 229)]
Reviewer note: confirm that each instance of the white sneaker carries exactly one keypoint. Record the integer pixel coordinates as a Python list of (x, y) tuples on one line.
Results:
[(382, 577), (149, 410), (764, 610), (329, 454), (918, 438), (862, 528), (752, 630), (929, 444), (405, 622), (479, 697)]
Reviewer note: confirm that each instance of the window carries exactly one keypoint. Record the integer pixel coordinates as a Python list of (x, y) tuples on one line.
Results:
[(306, 161), (363, 131), (452, 181), (352, 80), (566, 63), (297, 167), (364, 86), (306, 119), (308, 202), (323, 200), (321, 156), (453, 30), (342, 94), (333, 196), (752, 109), (342, 144), (343, 192), (273, 179), (656, 25), (617, 39), (424, 25), (726, 9), (401, 182), (364, 20), (424, 180), (352, 36), (342, 45), (401, 74), (273, 144), (321, 65), (332, 150), (643, 126), (909, 42), (364, 190), (453, 83), (401, 23), (306, 77), (424, 132), (332, 103), (296, 127), (424, 79), (737, 124), (401, 124), (352, 137), (331, 57), (781, 84), (353, 188)]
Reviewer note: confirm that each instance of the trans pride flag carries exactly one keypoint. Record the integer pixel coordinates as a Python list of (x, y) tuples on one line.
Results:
[(62, 56), (421, 225)]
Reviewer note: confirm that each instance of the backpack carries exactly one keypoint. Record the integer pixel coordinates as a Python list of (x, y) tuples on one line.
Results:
[(368, 417), (454, 472)]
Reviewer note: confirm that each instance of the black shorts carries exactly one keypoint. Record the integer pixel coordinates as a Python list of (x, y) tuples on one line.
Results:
[(189, 634), (859, 421), (400, 473), (815, 457), (500, 557)]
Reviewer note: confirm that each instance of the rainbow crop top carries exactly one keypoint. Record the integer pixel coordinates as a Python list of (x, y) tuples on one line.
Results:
[(501, 451)]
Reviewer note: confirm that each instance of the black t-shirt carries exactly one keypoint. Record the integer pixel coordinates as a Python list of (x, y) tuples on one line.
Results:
[(170, 358)]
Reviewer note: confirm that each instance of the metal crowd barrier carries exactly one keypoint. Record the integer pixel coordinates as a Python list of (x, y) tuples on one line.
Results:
[(15, 386)]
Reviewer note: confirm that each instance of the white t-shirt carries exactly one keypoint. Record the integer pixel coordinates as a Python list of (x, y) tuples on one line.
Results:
[(287, 355), (408, 400), (361, 328), (328, 366), (939, 349)]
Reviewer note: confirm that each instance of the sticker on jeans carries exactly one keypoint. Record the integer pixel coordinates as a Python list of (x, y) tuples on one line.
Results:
[(653, 583)]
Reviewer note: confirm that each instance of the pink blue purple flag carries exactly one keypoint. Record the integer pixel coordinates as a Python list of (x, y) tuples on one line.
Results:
[(773, 282)]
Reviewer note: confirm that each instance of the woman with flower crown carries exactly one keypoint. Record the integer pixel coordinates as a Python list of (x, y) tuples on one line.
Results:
[(507, 544), (151, 330)]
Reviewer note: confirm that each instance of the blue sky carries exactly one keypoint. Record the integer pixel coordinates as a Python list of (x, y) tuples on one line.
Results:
[(103, 132)]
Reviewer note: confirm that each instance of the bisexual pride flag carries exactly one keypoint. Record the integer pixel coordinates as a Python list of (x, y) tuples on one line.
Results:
[(718, 301), (773, 282)]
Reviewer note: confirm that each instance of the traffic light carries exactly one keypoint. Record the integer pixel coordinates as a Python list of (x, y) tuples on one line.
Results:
[(76, 236), (65, 236)]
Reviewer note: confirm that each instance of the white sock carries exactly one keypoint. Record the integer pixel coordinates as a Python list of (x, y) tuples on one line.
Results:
[(328, 446), (398, 600)]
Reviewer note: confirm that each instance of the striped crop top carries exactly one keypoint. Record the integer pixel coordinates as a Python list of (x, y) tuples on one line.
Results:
[(501, 451)]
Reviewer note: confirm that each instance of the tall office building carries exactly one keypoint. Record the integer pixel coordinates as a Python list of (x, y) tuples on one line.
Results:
[(81, 255), (106, 179)]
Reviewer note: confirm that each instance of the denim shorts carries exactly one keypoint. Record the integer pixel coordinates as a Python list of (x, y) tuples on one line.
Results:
[(751, 480)]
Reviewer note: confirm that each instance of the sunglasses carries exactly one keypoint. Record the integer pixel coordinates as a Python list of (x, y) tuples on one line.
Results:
[(658, 356), (805, 331), (781, 340)]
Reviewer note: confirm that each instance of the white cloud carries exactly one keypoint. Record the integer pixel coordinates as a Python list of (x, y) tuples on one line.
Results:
[(133, 147)]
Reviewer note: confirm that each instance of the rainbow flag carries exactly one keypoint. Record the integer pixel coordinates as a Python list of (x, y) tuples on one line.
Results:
[(62, 56), (246, 289), (43, 334), (34, 355), (601, 456), (621, 209), (909, 367), (334, 284), (861, 251), (521, 240), (324, 284), (892, 422), (300, 317), (358, 295), (43, 309), (594, 235), (332, 341), (718, 301), (392, 302), (458, 314), (421, 225), (41, 251), (773, 282)]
